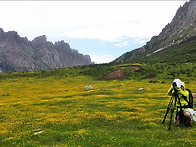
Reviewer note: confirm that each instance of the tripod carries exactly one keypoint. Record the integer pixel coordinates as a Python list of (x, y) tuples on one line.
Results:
[(171, 106)]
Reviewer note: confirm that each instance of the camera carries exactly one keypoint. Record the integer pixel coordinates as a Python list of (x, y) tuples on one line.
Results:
[(174, 84)]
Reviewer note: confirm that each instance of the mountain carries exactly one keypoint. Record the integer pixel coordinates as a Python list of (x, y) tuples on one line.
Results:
[(19, 54), (182, 29)]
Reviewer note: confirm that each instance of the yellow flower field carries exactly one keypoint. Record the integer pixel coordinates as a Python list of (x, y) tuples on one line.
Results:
[(49, 111)]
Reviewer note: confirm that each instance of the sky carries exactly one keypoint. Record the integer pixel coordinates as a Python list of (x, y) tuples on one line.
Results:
[(102, 29)]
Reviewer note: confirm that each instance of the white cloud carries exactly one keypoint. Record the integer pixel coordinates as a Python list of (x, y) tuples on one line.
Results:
[(121, 44), (103, 20), (141, 40), (101, 58), (110, 22)]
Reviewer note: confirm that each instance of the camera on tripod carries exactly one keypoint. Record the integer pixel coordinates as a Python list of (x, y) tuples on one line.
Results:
[(172, 104), (174, 84)]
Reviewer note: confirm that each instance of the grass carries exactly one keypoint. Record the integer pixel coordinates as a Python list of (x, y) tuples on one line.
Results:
[(51, 108), (180, 53)]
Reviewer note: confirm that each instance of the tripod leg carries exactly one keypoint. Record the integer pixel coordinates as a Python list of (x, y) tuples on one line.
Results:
[(172, 111), (166, 114)]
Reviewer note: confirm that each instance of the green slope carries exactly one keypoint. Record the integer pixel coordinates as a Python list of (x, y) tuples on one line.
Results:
[(181, 53)]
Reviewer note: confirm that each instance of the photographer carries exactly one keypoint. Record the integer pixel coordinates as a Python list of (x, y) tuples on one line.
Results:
[(182, 114)]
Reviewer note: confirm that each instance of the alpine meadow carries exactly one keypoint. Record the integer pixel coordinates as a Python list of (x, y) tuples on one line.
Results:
[(51, 108), (44, 102)]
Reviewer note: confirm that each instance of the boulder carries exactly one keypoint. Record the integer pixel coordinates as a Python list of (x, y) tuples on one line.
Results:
[(86, 88)]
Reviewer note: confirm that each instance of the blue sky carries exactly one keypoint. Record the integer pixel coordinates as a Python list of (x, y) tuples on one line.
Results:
[(102, 29), (104, 51)]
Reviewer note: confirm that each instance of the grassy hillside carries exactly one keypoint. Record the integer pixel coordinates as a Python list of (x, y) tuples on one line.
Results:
[(51, 108), (181, 53)]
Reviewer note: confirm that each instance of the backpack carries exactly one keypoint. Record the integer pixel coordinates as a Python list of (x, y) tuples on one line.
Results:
[(190, 102)]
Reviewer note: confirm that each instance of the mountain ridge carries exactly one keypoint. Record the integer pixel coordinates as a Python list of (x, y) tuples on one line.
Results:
[(19, 54), (181, 28)]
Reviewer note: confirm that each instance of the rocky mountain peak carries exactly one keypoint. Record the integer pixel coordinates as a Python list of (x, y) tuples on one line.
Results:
[(19, 54), (61, 44), (181, 28), (185, 17), (11, 35), (40, 40), (1, 31)]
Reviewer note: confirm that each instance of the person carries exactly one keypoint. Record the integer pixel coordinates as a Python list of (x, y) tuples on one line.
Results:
[(183, 95)]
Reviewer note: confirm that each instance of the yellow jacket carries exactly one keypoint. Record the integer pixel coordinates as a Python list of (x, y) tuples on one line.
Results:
[(181, 93)]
